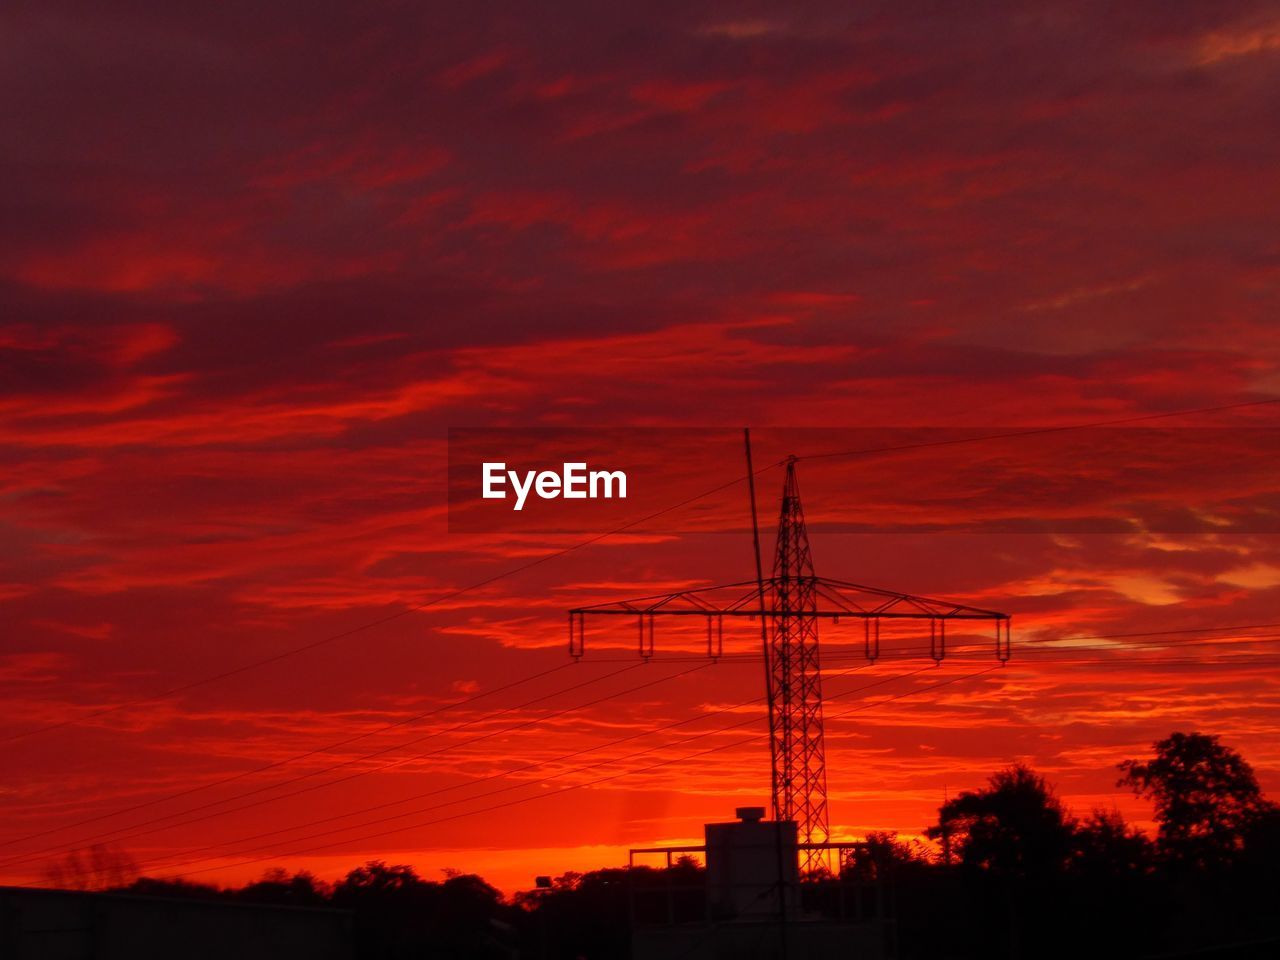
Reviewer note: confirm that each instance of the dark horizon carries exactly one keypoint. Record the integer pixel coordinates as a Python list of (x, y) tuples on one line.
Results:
[(1010, 871)]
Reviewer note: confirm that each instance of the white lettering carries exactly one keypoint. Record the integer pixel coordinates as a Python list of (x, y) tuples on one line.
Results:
[(494, 475), (522, 491), (609, 476), (548, 485), (573, 482)]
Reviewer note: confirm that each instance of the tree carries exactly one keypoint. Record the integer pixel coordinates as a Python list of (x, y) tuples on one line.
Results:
[(98, 867), (376, 877), (399, 914), (1015, 827), (1206, 797), (301, 889), (587, 914), (882, 854), (1107, 846)]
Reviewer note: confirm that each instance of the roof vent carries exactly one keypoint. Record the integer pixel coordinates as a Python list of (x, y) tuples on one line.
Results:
[(750, 814)]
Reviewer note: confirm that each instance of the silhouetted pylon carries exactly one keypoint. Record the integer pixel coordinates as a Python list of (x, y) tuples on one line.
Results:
[(793, 599), (800, 774)]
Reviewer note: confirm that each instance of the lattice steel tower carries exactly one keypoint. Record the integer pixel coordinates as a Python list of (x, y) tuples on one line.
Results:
[(793, 599), (800, 766)]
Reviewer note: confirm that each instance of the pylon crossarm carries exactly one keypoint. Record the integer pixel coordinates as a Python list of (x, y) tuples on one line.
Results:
[(843, 600), (873, 601), (728, 599)]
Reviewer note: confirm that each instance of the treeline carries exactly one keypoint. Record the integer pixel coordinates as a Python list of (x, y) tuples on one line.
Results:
[(1010, 872), (1015, 874)]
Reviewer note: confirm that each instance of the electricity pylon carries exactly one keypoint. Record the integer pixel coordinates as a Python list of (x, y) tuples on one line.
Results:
[(795, 599), (795, 673)]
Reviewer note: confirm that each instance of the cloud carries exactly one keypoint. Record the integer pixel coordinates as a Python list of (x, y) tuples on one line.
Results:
[(255, 262)]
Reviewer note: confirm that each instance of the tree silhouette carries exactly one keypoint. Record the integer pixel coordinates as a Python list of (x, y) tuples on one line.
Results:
[(101, 866), (1205, 794), (1032, 881), (1106, 846), (1016, 827), (399, 914), (882, 854), (376, 877), (278, 886)]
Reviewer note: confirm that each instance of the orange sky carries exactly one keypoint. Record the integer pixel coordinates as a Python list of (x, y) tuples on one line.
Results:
[(255, 264)]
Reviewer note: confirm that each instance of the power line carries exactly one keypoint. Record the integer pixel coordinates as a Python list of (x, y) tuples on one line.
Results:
[(721, 747), (413, 608), (275, 658), (579, 770), (1164, 662), (1160, 633), (280, 763), (537, 561), (152, 824), (595, 747), (1035, 655), (543, 763), (514, 571), (1248, 654), (533, 765), (834, 651)]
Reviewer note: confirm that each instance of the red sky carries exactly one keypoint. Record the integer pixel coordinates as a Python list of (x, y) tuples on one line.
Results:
[(255, 262)]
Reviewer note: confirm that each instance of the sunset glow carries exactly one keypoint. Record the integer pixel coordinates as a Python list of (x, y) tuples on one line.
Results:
[(256, 264)]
